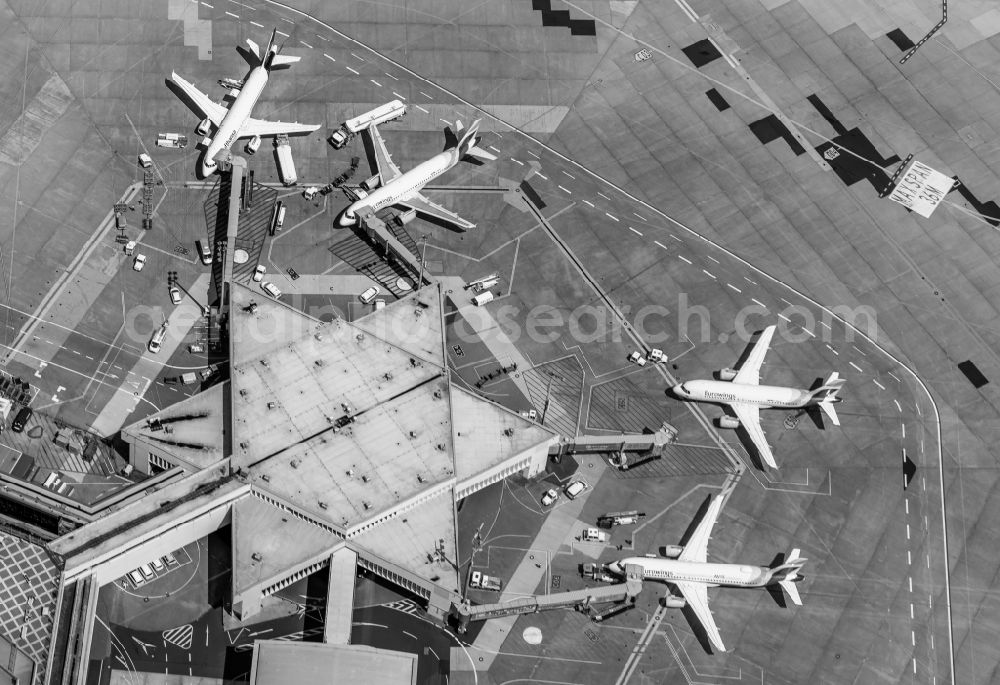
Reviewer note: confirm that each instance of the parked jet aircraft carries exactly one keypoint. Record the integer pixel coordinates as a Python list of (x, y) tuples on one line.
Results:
[(687, 569), (403, 189), (236, 122), (741, 391)]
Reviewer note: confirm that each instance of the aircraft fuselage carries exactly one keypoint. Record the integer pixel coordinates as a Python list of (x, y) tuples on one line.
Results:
[(232, 123), (713, 575), (727, 392)]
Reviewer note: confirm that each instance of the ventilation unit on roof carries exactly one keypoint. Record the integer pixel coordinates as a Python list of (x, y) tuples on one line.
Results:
[(244, 445), (266, 478), (319, 362), (318, 336), (322, 505), (420, 479), (413, 434), (256, 556), (437, 394), (295, 463), (359, 337), (366, 505), (364, 479), (271, 405), (508, 432)]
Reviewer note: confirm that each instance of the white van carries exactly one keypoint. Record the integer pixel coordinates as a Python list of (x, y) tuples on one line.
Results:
[(145, 161), (367, 296), (146, 572), (157, 340), (279, 222), (253, 145), (136, 578)]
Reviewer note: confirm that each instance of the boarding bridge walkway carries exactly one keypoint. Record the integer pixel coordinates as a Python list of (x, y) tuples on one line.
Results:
[(466, 613)]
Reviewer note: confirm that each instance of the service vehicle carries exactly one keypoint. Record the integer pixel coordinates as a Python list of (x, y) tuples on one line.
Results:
[(379, 115), (279, 219), (175, 294), (139, 262), (574, 489), (637, 358), (310, 192), (195, 348), (205, 251), (550, 496), (271, 289), (145, 161), (485, 582), (130, 247), (21, 419), (480, 286), (367, 296), (120, 220), (620, 518), (286, 165), (593, 535), (172, 140), (136, 578), (379, 304), (253, 145), (656, 356), (157, 340), (258, 273), (482, 298)]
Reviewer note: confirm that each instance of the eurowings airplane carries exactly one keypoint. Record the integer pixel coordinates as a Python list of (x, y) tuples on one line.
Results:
[(403, 189), (235, 122), (741, 390), (687, 569)]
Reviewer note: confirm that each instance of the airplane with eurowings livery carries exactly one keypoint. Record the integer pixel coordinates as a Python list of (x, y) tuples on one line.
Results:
[(403, 189), (235, 122), (742, 392), (688, 571)]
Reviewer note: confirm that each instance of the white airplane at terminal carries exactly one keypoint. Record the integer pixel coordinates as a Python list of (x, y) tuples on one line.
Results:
[(687, 569), (235, 122), (403, 189), (742, 392)]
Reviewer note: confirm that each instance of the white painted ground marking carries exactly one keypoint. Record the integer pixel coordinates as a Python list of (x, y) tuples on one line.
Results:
[(306, 44), (809, 332), (564, 190), (603, 195), (491, 147), (449, 123), (824, 323), (907, 502), (282, 33), (855, 366), (899, 407), (829, 347), (907, 531), (234, 16), (286, 20), (398, 95), (637, 232), (688, 11), (655, 241), (329, 58), (390, 75), (903, 426), (260, 26), (211, 7), (357, 58), (542, 175), (895, 376), (749, 280), (322, 37), (612, 217), (354, 71), (517, 160), (713, 259), (782, 316), (422, 109), (537, 157), (639, 215), (375, 82), (589, 203), (709, 274), (676, 238), (683, 258), (862, 353), (878, 384), (568, 174), (785, 301), (759, 302), (734, 287), (425, 95)]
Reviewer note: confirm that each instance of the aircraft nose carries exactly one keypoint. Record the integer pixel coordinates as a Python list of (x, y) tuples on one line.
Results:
[(615, 567)]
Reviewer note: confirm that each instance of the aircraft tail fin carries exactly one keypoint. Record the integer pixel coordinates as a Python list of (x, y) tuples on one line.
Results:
[(787, 574), (252, 56), (826, 396), (468, 140)]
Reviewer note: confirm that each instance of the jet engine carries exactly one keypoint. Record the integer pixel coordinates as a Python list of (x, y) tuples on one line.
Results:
[(204, 126), (672, 551), (727, 374), (674, 602), (728, 422)]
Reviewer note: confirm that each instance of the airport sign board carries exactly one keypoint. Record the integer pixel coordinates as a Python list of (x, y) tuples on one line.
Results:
[(921, 188)]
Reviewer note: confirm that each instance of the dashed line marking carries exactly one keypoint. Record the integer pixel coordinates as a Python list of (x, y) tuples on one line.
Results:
[(282, 33), (260, 26), (329, 58), (234, 16), (899, 407), (355, 71), (786, 301), (517, 160), (782, 316), (321, 37), (895, 376), (685, 259), (709, 274), (639, 215), (422, 109), (568, 174), (211, 7), (913, 641), (749, 281), (824, 323), (425, 95), (928, 566), (911, 611), (492, 148), (759, 302), (375, 82), (390, 75), (398, 95), (859, 351), (444, 120), (655, 241), (856, 366), (603, 195), (536, 156), (306, 44), (357, 58), (907, 531), (676, 238), (636, 232), (589, 203), (734, 287), (713, 259), (286, 20), (907, 503), (878, 384), (564, 190), (612, 217), (542, 175)]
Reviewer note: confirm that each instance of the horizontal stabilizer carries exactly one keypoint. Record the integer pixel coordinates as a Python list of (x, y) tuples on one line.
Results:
[(283, 60), (793, 592), (827, 407), (482, 154)]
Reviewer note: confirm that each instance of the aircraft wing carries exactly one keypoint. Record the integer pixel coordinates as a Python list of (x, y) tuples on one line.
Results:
[(696, 548), (749, 416), (749, 373), (203, 104), (263, 128), (435, 211), (387, 169), (696, 596)]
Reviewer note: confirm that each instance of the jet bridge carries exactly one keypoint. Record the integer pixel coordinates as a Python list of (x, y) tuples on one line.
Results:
[(647, 446), (465, 613)]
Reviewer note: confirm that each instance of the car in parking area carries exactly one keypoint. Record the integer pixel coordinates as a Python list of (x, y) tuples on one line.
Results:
[(136, 577), (175, 294), (550, 496), (271, 289), (146, 572), (157, 566), (574, 489), (139, 262), (258, 273)]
